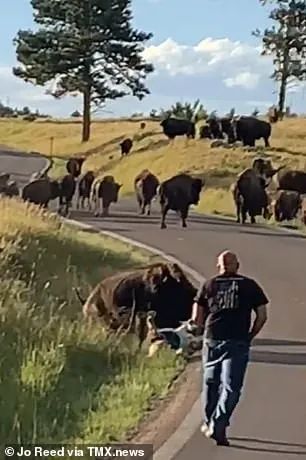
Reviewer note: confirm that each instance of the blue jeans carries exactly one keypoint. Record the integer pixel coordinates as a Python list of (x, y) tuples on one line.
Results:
[(224, 365)]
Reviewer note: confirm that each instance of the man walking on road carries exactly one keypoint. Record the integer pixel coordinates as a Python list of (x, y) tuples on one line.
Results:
[(224, 305)]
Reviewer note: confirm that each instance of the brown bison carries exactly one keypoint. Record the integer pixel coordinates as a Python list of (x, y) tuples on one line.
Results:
[(160, 287), (286, 205), (126, 146), (178, 194), (145, 185), (74, 166), (84, 188), (104, 191)]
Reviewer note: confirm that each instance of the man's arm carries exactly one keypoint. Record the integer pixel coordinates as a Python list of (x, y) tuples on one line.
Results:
[(199, 308), (260, 302), (260, 320)]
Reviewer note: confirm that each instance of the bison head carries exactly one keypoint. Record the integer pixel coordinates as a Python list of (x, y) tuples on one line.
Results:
[(115, 194), (155, 277), (196, 188)]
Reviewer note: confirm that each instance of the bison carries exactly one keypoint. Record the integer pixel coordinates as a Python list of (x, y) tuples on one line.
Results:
[(294, 180), (250, 196), (145, 185), (177, 194), (205, 132), (126, 146), (119, 299), (104, 191), (249, 129), (66, 190), (173, 127), (74, 166), (11, 189), (84, 188), (286, 205), (40, 191)]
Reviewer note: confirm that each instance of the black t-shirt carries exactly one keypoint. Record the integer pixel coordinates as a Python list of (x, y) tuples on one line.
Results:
[(229, 301)]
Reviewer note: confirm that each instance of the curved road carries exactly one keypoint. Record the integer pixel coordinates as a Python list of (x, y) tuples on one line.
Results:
[(270, 421)]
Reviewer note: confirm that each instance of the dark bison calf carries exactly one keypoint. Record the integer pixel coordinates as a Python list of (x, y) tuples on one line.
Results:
[(286, 205), (126, 146)]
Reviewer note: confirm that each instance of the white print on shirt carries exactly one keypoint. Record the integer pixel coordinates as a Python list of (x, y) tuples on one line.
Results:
[(226, 296)]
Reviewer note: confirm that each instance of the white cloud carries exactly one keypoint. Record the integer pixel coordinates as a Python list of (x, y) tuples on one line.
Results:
[(244, 79), (236, 63), (221, 72)]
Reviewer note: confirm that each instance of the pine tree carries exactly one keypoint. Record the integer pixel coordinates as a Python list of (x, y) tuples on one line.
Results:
[(87, 47), (286, 42)]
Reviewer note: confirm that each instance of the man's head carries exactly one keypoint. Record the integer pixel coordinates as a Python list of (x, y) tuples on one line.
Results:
[(227, 263)]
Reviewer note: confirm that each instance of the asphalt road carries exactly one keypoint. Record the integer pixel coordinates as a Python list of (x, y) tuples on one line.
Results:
[(270, 421)]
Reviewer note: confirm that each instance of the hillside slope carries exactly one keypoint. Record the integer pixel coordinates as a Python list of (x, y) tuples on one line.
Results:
[(152, 150)]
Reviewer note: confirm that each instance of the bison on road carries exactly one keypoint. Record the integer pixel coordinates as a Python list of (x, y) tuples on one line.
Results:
[(104, 192), (286, 205), (250, 196), (173, 127), (84, 188), (178, 194), (145, 185)]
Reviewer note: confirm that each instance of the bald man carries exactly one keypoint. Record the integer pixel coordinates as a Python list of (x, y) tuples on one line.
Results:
[(224, 306)]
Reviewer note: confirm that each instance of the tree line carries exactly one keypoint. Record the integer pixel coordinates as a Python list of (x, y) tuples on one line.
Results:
[(89, 47)]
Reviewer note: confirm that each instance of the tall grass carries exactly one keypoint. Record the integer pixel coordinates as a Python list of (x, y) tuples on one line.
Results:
[(63, 380)]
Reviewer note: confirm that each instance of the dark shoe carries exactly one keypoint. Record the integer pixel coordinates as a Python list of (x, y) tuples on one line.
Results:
[(220, 440)]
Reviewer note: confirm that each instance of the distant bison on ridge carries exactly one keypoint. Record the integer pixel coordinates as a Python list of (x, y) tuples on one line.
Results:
[(173, 127), (126, 146)]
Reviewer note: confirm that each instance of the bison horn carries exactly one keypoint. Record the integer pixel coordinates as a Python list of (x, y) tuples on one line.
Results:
[(79, 296)]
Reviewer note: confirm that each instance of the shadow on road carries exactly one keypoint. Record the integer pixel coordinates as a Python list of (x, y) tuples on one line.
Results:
[(210, 222), (269, 450)]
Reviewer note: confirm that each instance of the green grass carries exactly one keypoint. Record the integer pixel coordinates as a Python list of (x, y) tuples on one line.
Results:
[(61, 379)]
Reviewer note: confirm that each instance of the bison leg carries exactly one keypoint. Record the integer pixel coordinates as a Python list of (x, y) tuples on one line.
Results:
[(105, 212), (165, 209), (253, 220), (243, 213), (267, 143), (184, 215), (148, 209)]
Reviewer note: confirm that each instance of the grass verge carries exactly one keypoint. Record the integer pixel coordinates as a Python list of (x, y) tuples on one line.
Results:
[(62, 379)]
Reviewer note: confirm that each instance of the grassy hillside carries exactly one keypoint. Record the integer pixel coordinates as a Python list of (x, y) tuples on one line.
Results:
[(152, 150), (60, 378)]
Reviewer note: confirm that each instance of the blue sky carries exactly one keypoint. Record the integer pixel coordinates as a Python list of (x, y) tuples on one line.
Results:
[(200, 48)]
